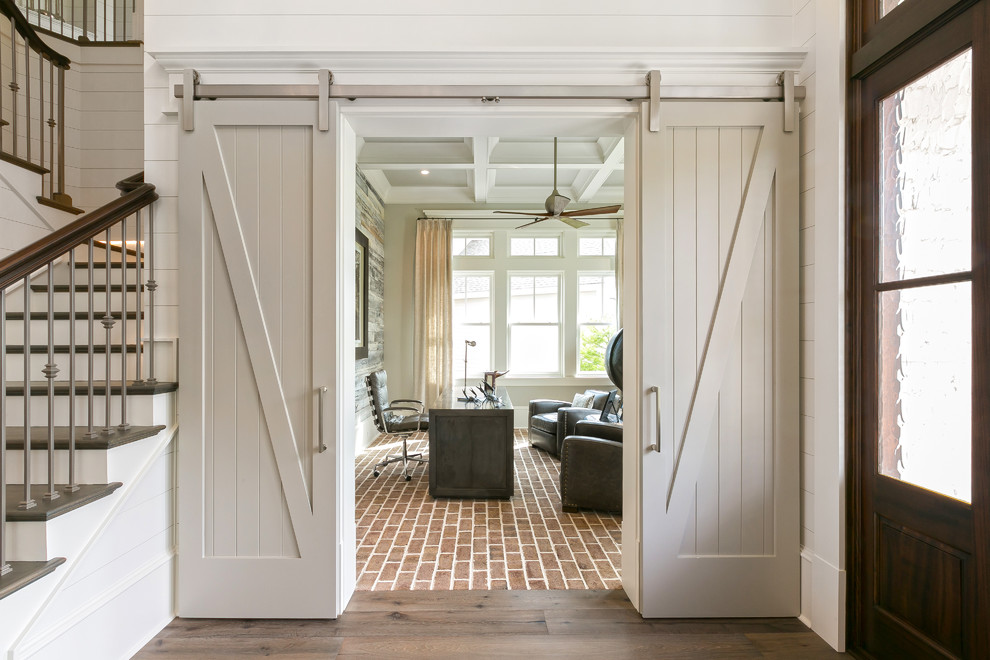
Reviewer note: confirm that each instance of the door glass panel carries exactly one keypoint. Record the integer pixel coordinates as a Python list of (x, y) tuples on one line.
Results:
[(925, 387), (926, 169)]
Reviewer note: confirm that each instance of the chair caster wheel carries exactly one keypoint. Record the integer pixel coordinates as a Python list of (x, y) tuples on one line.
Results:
[(408, 478), (375, 473)]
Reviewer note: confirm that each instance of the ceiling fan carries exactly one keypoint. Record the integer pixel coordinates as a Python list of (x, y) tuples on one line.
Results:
[(556, 203)]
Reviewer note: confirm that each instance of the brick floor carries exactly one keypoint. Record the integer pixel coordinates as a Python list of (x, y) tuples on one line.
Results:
[(408, 540)]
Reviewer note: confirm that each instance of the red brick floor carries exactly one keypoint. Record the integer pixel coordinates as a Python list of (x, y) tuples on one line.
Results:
[(408, 540)]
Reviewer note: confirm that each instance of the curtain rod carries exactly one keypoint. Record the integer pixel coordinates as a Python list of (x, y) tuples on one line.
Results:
[(521, 217)]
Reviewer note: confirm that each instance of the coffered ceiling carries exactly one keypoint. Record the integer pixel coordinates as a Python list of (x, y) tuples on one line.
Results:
[(492, 170)]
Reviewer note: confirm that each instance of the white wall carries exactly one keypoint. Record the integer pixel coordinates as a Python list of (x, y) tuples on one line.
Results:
[(819, 26), (104, 140)]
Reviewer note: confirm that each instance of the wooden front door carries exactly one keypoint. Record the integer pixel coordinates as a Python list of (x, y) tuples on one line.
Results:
[(257, 524), (719, 341), (921, 316)]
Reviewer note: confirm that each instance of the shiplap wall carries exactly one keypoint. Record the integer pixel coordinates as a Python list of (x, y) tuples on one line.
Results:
[(443, 25)]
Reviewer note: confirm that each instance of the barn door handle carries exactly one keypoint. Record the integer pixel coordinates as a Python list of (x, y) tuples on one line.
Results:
[(656, 446), (323, 444)]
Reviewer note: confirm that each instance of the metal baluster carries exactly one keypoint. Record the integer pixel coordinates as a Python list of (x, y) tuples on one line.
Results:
[(14, 88), (61, 135), (27, 502), (1, 88), (108, 323), (51, 128), (91, 322), (140, 301), (85, 17), (72, 487), (151, 286), (41, 118), (4, 566), (72, 21), (50, 371), (27, 98), (104, 21), (123, 326)]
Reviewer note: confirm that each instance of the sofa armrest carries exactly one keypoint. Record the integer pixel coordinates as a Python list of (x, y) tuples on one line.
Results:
[(541, 406), (591, 474), (598, 429), (567, 417)]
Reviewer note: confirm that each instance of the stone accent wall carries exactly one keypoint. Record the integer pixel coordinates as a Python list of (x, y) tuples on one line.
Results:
[(370, 219)]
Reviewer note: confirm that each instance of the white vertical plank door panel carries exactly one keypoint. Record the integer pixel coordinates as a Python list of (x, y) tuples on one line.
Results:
[(256, 504), (719, 218)]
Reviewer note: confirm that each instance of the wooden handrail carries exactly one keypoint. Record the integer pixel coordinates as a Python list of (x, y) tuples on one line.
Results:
[(42, 252), (10, 10)]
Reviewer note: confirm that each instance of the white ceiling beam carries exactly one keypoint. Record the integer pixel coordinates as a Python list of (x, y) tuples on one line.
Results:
[(613, 150), (482, 148)]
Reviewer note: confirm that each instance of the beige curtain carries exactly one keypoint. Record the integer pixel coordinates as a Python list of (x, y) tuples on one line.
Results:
[(619, 242), (433, 302)]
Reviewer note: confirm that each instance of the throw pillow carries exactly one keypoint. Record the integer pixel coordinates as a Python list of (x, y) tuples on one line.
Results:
[(582, 400)]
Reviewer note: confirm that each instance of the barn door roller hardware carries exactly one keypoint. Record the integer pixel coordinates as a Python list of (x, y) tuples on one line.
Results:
[(326, 90)]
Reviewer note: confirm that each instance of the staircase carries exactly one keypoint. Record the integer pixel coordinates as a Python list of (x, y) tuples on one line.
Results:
[(86, 423)]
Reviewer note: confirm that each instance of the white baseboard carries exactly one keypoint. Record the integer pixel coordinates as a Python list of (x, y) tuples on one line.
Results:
[(828, 584)]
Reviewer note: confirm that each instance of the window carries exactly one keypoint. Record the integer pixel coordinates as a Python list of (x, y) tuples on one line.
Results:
[(472, 320), (596, 246), (596, 319), (470, 245), (534, 246), (534, 323)]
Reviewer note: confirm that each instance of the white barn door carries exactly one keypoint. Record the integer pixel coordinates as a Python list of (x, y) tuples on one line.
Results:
[(257, 321), (719, 339)]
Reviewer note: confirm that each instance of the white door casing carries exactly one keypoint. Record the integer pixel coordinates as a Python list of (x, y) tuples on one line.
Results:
[(718, 336), (260, 301)]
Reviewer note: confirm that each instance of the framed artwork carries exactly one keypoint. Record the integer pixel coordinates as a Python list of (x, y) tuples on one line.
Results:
[(361, 295)]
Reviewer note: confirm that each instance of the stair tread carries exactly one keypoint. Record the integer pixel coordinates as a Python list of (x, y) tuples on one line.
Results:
[(39, 437), (48, 509), (81, 349), (83, 288), (40, 388), (23, 573), (64, 316)]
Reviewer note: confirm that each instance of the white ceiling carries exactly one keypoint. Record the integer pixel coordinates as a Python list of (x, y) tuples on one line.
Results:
[(493, 170)]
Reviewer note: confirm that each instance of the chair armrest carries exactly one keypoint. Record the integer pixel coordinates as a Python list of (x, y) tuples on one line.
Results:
[(599, 429), (540, 406), (395, 401), (394, 408), (407, 409)]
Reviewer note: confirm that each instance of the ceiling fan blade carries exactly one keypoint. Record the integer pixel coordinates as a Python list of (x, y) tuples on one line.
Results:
[(601, 210), (531, 215), (531, 223), (577, 224)]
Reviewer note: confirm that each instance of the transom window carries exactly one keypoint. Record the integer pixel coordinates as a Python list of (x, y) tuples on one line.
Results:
[(534, 246), (479, 245)]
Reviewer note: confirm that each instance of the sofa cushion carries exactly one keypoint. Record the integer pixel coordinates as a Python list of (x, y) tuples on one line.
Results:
[(546, 422), (598, 399)]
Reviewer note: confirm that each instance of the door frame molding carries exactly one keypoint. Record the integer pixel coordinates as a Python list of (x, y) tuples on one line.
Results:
[(452, 118)]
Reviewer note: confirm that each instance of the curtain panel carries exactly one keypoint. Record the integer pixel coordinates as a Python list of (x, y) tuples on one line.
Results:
[(433, 304)]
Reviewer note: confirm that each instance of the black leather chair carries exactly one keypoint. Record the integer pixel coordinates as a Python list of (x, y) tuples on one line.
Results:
[(591, 468), (400, 421), (550, 421)]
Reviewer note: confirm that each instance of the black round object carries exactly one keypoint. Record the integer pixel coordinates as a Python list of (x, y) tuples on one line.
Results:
[(613, 359)]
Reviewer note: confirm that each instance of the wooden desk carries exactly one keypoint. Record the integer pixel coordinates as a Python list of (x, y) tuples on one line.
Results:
[(471, 448)]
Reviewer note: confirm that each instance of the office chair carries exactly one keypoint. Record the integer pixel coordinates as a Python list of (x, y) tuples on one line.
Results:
[(410, 419)]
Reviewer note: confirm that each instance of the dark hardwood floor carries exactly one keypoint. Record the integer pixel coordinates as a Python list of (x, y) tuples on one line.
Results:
[(489, 624)]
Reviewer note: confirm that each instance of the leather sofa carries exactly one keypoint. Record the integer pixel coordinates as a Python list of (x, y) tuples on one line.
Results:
[(591, 468), (550, 420)]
